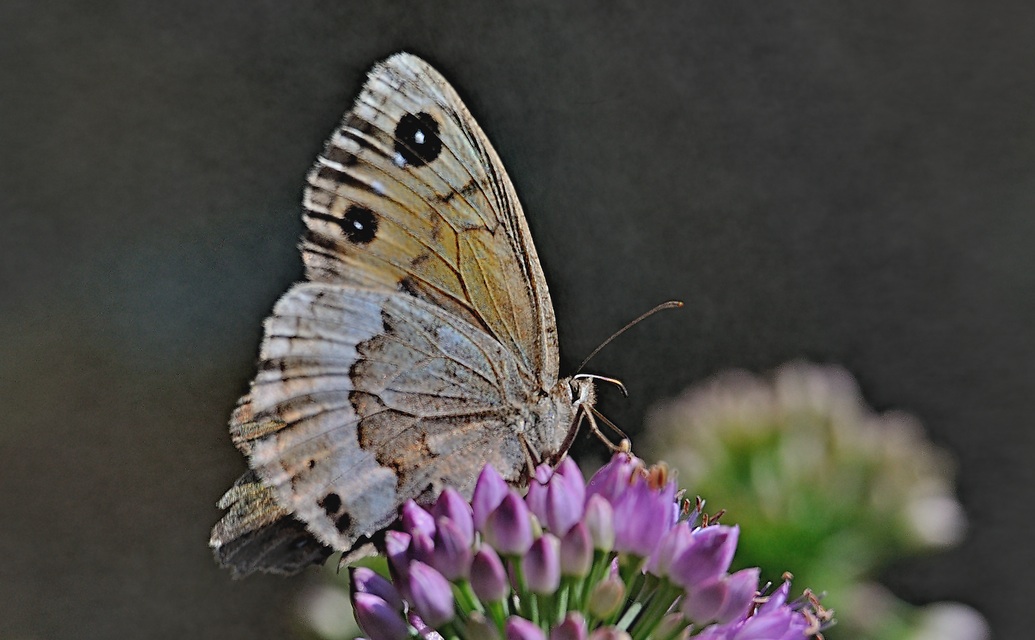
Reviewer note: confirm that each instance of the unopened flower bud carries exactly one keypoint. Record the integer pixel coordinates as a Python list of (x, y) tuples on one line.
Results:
[(430, 594), (606, 597), (416, 518), (489, 491), (452, 552), (542, 565), (600, 522), (576, 551), (366, 580), (488, 577), (521, 629), (453, 507), (377, 619), (573, 627), (508, 529)]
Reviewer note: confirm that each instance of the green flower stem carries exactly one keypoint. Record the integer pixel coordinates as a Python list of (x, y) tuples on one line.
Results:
[(498, 613), (449, 631), (519, 576), (633, 579), (573, 592), (519, 595), (533, 607), (629, 615), (561, 601), (629, 568), (661, 600), (601, 564), (466, 597)]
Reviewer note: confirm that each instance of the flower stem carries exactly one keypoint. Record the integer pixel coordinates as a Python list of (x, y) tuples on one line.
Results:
[(466, 597), (661, 600), (561, 601), (498, 613)]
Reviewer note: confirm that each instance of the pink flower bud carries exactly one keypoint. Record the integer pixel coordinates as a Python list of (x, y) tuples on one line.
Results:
[(488, 577), (377, 619), (430, 594), (520, 629), (508, 529), (542, 565), (489, 491)]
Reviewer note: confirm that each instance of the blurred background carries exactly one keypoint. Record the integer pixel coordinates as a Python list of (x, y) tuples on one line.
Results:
[(848, 183)]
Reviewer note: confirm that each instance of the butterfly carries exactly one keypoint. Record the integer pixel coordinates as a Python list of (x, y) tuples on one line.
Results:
[(422, 346)]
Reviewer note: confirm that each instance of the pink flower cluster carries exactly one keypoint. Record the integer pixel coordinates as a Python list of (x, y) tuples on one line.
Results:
[(620, 557)]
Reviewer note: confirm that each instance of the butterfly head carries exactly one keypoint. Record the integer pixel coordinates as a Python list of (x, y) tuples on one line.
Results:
[(574, 399), (583, 393), (583, 402)]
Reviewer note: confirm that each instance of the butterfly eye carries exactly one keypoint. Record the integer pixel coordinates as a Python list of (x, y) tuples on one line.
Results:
[(416, 139)]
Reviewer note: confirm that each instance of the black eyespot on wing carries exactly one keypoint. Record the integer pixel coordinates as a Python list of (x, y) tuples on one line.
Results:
[(359, 224), (331, 503), (344, 523), (416, 139)]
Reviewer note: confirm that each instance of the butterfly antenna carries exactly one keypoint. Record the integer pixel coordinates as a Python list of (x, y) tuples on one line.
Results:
[(671, 304)]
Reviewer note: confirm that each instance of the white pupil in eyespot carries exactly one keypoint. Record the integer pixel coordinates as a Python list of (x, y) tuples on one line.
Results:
[(418, 137)]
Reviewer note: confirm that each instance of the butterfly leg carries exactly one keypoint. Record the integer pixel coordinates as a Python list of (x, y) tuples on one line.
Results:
[(623, 444), (531, 460)]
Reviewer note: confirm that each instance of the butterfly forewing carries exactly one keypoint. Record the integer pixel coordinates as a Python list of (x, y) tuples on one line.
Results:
[(448, 225)]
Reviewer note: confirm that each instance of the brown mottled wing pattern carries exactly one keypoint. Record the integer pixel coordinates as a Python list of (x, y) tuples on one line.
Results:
[(423, 347), (366, 398)]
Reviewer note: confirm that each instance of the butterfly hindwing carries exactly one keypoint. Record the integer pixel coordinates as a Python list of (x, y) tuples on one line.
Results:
[(366, 398)]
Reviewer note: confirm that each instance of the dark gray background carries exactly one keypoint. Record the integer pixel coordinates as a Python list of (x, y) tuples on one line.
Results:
[(848, 182)]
